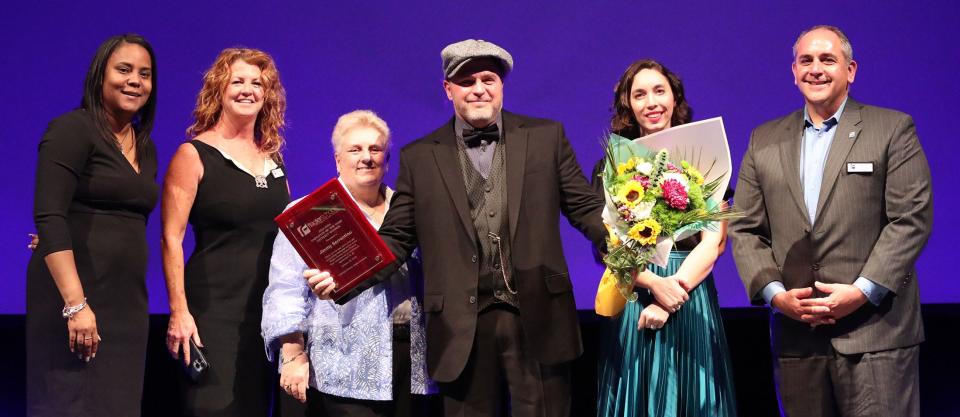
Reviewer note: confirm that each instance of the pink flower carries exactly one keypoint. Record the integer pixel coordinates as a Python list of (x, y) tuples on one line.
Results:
[(674, 168), (625, 213), (644, 181), (674, 194)]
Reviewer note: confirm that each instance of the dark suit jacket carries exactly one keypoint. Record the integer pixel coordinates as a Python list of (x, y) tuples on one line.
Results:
[(430, 209), (868, 224)]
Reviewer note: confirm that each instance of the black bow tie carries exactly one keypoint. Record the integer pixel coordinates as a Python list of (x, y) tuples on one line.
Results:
[(481, 137)]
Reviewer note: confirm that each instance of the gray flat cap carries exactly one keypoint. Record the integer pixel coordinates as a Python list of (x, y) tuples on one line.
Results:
[(456, 55)]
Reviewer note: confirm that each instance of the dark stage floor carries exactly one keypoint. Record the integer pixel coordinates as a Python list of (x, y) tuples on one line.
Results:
[(746, 332)]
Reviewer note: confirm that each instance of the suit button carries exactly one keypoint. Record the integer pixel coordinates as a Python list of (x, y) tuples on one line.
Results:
[(815, 267), (498, 293), (473, 300), (496, 266), (492, 213), (474, 258), (487, 188)]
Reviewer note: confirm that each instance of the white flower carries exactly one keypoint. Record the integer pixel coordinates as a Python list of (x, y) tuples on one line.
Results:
[(642, 210), (645, 168), (682, 179)]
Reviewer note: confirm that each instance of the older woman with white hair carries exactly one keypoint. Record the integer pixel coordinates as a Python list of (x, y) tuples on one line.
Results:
[(366, 357)]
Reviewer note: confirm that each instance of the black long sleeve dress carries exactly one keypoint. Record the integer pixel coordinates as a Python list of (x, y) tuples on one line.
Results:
[(89, 199)]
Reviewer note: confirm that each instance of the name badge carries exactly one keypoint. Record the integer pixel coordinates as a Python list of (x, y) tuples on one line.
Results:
[(277, 173), (859, 167)]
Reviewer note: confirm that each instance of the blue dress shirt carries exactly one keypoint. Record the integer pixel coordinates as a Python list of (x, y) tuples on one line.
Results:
[(481, 157), (813, 158)]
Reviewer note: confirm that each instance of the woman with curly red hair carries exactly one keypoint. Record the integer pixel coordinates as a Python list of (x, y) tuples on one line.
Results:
[(229, 183)]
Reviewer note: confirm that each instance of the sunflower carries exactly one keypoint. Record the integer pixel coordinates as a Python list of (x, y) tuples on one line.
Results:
[(645, 232), (630, 193)]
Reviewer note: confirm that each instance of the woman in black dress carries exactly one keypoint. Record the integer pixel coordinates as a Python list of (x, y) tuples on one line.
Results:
[(86, 291), (229, 183)]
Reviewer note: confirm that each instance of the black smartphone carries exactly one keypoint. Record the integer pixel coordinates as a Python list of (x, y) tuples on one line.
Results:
[(198, 362)]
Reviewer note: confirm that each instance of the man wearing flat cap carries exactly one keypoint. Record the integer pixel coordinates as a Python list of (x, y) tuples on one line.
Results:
[(482, 197)]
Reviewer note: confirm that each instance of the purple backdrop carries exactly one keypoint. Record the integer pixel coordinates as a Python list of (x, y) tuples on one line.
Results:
[(734, 60)]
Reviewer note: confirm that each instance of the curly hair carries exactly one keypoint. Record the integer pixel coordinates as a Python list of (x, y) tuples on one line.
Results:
[(624, 122), (268, 129)]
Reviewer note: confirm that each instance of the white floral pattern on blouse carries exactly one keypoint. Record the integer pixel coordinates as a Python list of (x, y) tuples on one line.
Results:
[(349, 346)]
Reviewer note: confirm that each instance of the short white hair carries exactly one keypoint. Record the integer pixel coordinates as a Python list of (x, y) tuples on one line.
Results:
[(359, 118)]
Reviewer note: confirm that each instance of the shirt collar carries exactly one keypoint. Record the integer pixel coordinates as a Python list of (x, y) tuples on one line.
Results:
[(268, 163), (830, 122)]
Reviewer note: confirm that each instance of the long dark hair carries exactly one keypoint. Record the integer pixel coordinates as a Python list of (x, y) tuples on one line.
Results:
[(624, 122), (92, 100)]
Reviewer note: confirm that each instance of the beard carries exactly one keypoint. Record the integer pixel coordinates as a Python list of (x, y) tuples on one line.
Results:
[(482, 116)]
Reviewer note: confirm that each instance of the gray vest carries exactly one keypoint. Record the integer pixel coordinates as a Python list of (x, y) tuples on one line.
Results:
[(488, 209)]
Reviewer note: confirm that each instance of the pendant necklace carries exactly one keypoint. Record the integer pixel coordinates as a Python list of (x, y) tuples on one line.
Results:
[(260, 180), (371, 213), (120, 142)]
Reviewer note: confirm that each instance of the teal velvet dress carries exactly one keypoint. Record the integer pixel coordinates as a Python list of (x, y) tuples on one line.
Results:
[(680, 370)]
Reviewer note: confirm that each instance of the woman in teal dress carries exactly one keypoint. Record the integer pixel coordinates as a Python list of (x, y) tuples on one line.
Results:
[(666, 354)]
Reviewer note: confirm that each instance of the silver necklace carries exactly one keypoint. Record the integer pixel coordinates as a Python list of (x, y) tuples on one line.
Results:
[(121, 143), (371, 214)]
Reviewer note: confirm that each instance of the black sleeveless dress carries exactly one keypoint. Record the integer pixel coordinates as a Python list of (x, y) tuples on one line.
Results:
[(89, 199), (224, 280)]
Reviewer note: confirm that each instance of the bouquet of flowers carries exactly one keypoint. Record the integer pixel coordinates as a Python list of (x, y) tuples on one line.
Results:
[(653, 201)]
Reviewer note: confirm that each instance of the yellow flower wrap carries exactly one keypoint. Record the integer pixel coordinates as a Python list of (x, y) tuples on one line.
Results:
[(609, 301)]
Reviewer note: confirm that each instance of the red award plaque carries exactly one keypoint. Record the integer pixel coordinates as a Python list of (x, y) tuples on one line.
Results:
[(331, 234)]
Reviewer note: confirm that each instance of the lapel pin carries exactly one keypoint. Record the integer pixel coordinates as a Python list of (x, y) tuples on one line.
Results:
[(852, 135)]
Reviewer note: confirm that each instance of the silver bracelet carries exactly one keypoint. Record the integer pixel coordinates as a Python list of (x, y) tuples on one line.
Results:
[(286, 361), (69, 311)]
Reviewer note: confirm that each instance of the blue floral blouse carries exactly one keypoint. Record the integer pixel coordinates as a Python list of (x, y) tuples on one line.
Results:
[(349, 346)]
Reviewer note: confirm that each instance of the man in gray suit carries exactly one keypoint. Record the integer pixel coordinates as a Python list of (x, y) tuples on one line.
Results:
[(838, 207)]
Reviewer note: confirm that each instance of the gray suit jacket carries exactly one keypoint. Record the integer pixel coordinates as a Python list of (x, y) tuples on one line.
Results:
[(868, 224)]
